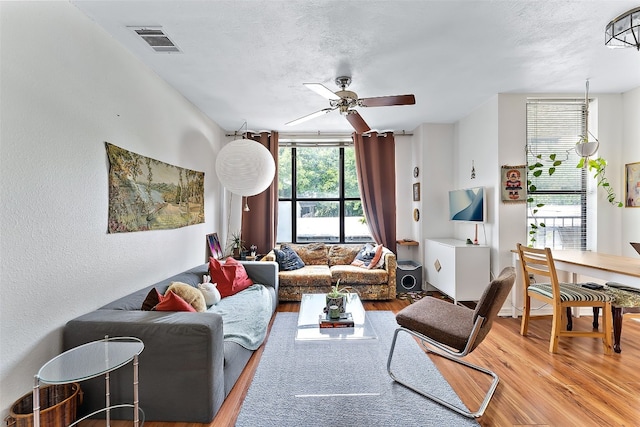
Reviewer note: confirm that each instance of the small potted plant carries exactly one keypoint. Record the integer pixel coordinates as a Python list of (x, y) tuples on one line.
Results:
[(337, 297), (237, 245)]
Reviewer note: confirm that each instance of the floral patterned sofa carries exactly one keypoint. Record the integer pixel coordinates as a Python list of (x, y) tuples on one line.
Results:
[(325, 264)]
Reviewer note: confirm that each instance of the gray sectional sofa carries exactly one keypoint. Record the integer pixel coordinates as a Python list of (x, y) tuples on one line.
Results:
[(188, 365)]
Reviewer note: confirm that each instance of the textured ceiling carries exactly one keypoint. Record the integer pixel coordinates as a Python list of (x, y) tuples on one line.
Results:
[(247, 60)]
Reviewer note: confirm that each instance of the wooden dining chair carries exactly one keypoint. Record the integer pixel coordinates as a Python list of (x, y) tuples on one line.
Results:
[(560, 296)]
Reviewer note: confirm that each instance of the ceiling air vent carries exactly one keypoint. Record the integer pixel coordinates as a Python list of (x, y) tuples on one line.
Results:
[(156, 39)]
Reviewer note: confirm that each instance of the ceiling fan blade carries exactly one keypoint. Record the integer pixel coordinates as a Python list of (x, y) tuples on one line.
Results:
[(309, 116), (384, 101), (357, 122), (322, 90)]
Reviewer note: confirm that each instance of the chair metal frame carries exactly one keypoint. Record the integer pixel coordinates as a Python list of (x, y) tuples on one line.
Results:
[(453, 355)]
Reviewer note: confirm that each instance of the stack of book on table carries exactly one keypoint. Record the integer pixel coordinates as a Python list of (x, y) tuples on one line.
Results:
[(344, 321)]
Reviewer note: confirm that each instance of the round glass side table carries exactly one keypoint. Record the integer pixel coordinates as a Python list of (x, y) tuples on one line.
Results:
[(89, 361)]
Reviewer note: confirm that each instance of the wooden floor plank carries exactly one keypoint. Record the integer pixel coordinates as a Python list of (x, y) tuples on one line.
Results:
[(577, 386)]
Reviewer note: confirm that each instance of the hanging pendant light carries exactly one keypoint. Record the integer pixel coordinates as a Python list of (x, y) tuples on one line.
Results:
[(584, 147), (245, 167)]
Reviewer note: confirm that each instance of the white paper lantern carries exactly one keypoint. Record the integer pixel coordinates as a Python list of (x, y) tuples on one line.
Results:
[(245, 167)]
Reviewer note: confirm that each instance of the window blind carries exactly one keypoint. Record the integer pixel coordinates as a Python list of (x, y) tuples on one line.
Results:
[(554, 127)]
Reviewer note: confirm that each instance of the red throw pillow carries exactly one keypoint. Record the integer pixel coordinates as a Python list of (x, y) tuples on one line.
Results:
[(172, 302), (231, 276)]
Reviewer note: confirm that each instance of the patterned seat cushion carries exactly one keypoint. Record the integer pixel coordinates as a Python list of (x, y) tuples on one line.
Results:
[(309, 275), (349, 274), (623, 297), (570, 292)]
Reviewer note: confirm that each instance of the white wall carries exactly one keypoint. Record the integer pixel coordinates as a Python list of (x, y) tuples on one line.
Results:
[(609, 126), (476, 146), (66, 88), (510, 217), (630, 229), (436, 175), (406, 228)]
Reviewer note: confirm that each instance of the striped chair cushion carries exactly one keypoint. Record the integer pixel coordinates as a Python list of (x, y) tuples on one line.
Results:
[(570, 292)]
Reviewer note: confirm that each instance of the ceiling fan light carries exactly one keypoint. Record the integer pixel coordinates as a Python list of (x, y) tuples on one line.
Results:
[(624, 31)]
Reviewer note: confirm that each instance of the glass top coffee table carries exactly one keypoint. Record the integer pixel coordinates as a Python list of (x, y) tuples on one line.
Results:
[(311, 307)]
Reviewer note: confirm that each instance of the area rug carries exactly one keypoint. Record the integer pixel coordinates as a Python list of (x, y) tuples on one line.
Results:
[(344, 382)]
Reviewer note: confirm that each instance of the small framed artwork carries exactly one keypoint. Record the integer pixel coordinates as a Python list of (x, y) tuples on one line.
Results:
[(632, 185), (213, 243), (416, 192), (513, 181)]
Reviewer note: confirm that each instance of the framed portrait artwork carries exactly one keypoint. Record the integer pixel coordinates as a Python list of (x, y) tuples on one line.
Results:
[(513, 180), (416, 192), (213, 243), (632, 185)]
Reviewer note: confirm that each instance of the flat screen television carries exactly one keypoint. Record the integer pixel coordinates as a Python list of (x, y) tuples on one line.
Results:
[(468, 205)]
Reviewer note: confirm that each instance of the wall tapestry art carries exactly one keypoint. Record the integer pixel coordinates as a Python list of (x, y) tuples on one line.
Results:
[(147, 194), (513, 180)]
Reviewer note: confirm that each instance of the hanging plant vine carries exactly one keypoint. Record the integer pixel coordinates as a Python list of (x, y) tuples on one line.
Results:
[(599, 166), (538, 169)]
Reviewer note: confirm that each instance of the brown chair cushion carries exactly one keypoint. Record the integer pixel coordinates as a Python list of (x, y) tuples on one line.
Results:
[(440, 320)]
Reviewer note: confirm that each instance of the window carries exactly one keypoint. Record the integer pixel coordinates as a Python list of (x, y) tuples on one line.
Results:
[(557, 209), (318, 195)]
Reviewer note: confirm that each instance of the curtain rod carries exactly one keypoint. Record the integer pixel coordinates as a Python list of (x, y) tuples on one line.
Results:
[(310, 135)]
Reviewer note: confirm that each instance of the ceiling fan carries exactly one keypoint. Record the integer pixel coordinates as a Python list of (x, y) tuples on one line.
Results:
[(345, 101)]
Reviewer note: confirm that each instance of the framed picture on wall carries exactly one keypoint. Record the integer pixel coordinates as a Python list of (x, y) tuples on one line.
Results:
[(632, 185), (513, 181), (213, 243), (416, 192)]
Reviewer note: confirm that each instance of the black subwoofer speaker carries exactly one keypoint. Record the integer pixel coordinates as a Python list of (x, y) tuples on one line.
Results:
[(408, 276)]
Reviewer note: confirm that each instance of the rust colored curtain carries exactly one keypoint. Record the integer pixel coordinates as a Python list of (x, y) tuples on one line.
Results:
[(376, 169), (259, 225)]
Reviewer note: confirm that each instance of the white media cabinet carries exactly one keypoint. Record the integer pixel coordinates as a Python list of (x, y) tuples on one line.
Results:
[(460, 270)]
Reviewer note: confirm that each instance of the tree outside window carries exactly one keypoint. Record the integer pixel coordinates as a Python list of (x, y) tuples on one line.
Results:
[(319, 197)]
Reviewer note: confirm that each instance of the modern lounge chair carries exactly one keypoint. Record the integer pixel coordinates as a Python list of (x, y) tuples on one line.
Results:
[(561, 296), (453, 331)]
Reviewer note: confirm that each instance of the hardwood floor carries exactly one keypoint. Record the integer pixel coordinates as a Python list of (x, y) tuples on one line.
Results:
[(578, 386)]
